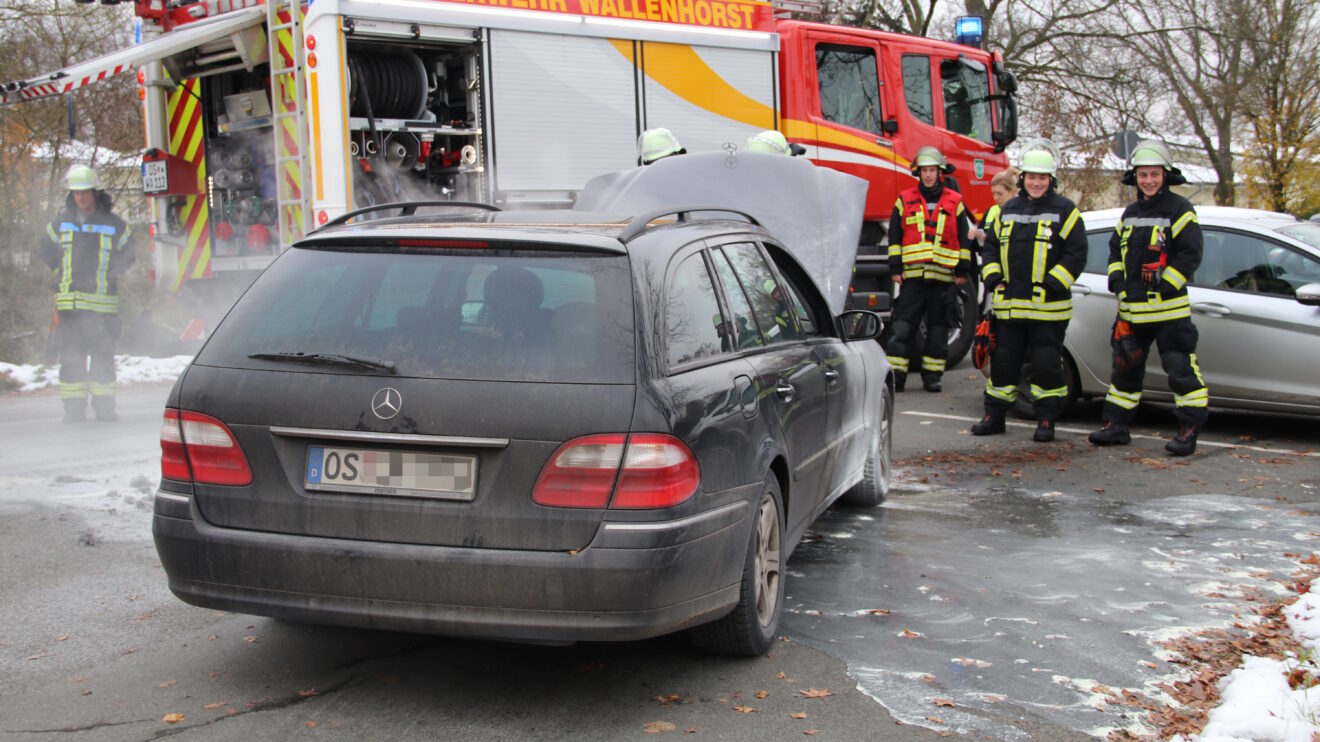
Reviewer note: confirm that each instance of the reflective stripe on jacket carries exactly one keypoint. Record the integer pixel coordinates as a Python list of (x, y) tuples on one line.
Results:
[(929, 243), (90, 257)]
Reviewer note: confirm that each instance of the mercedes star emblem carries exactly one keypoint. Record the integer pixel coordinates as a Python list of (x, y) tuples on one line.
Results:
[(386, 403)]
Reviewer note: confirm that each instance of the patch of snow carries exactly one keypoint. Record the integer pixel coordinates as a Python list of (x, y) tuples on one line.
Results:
[(128, 370)]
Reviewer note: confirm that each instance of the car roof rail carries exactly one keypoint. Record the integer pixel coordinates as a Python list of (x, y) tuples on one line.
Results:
[(406, 208), (639, 224)]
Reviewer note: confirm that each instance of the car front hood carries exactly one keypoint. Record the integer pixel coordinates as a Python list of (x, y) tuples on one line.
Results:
[(816, 212)]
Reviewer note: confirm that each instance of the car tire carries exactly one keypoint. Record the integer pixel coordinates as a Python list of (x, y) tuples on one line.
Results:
[(750, 628), (874, 487), (1025, 404)]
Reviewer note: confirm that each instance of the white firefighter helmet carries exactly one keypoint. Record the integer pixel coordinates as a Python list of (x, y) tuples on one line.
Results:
[(654, 144), (1041, 156), (81, 178), (769, 141), (930, 156), (1152, 152)]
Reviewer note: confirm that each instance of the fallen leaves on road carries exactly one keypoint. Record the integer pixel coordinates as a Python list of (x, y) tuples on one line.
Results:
[(798, 715), (970, 662), (308, 693), (762, 693), (910, 634), (813, 693), (943, 701), (934, 719), (873, 612), (744, 709), (251, 639), (670, 699), (166, 684), (173, 718), (213, 706), (658, 727)]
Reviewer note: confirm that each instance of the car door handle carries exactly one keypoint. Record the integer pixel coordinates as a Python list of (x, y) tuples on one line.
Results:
[(1211, 310), (785, 390), (1078, 288), (831, 375)]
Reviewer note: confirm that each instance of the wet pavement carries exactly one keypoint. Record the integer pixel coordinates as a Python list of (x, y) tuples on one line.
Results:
[(1010, 590)]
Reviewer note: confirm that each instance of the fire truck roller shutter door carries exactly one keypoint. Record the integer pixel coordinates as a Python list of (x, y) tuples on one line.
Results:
[(394, 82)]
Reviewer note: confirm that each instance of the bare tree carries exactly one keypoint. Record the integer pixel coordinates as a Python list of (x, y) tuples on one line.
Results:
[(1198, 49), (1282, 102)]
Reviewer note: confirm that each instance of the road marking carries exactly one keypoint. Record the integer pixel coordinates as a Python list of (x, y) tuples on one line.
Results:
[(1080, 431)]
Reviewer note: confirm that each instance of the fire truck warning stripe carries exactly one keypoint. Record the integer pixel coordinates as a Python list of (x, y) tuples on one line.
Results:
[(678, 68)]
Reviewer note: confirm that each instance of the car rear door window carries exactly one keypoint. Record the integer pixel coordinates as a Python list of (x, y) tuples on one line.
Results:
[(770, 300), (1097, 252), (694, 326), (748, 333), (493, 315)]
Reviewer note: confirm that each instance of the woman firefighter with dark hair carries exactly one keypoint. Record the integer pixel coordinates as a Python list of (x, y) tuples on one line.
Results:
[(1035, 247)]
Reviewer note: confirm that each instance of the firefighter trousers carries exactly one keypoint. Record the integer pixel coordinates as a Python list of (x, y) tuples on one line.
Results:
[(1176, 340), (920, 299), (87, 359), (1039, 343)]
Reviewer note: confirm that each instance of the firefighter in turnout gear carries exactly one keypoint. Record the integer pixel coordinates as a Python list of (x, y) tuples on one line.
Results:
[(91, 248), (1152, 255), (928, 254), (1034, 249)]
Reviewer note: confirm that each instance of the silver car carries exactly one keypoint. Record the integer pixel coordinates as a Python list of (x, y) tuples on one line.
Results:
[(1255, 301)]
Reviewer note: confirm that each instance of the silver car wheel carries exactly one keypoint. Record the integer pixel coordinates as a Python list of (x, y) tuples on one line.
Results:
[(768, 562)]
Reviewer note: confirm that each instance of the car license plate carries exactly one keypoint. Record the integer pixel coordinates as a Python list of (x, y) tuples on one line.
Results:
[(399, 473), (155, 178)]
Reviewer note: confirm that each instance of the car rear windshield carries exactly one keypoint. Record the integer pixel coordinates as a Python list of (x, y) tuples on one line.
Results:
[(456, 314)]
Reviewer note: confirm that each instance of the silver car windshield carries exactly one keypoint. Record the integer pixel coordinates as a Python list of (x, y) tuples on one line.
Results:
[(1306, 232)]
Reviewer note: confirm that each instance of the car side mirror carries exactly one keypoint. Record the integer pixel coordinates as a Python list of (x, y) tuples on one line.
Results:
[(859, 324), (889, 126), (1309, 294)]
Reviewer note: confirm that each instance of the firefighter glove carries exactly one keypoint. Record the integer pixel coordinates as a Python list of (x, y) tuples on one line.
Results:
[(983, 343), (1128, 353), (1115, 283)]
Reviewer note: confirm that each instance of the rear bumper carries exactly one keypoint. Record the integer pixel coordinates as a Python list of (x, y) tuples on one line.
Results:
[(634, 582)]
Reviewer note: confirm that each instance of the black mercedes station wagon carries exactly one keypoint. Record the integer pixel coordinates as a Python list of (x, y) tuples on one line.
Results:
[(543, 426)]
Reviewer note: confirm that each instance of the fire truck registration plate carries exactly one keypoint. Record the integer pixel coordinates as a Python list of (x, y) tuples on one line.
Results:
[(400, 473), (154, 177)]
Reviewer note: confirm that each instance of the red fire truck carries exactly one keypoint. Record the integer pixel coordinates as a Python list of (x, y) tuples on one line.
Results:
[(265, 118)]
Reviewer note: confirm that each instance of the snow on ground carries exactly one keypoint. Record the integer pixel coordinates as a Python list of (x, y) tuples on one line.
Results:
[(1258, 702), (129, 370)]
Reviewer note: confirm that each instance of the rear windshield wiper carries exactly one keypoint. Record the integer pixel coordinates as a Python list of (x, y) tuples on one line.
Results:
[(328, 359)]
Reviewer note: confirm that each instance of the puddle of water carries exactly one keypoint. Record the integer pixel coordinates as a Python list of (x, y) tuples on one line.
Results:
[(1049, 595)]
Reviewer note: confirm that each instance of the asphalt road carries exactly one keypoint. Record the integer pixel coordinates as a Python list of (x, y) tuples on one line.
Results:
[(1003, 583)]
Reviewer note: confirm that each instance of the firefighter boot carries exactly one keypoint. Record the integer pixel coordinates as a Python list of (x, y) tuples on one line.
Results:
[(900, 380), (104, 407), (1184, 444), (1112, 434), (991, 424), (1044, 431), (930, 382), (75, 410)]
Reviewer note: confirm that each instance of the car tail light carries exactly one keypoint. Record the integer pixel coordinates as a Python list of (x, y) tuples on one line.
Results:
[(199, 448), (642, 471)]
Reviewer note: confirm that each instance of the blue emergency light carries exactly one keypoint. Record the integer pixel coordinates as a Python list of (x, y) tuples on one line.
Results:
[(967, 30)]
